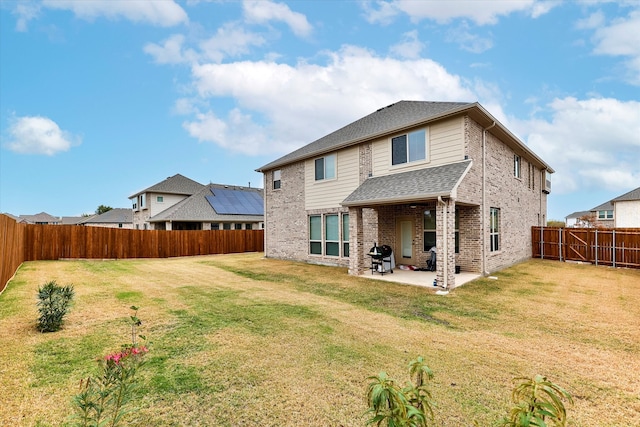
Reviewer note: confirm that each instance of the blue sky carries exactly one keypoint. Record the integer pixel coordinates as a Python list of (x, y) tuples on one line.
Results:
[(100, 99)]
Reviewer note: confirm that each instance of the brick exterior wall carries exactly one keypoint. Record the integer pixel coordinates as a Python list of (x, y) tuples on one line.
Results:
[(286, 227), (521, 202)]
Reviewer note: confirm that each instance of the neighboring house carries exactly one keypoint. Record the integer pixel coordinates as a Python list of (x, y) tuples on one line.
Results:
[(412, 175), (626, 209), (576, 219), (41, 218), (179, 203), (113, 218)]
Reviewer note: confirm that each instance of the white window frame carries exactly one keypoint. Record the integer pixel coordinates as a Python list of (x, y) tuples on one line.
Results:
[(494, 229), (277, 182), (328, 173), (321, 240), (517, 166), (408, 148), (605, 214)]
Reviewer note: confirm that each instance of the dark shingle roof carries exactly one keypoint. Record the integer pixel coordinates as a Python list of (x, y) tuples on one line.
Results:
[(385, 120), (176, 184), (197, 208), (606, 206), (113, 216), (409, 186), (631, 195)]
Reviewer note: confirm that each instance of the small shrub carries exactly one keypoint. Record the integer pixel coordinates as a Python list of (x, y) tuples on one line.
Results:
[(410, 406), (105, 399), (538, 402), (53, 304)]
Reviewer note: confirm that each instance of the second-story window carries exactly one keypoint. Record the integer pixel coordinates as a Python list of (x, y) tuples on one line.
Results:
[(160, 199), (516, 166), (276, 179), (410, 147), (325, 167)]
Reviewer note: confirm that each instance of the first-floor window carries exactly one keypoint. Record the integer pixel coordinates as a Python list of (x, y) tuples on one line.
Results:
[(494, 230), (226, 226), (329, 234), (215, 226), (315, 234), (248, 226), (237, 226), (605, 214), (345, 235), (429, 227)]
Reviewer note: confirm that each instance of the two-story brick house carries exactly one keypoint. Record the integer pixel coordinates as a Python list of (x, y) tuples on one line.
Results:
[(412, 175)]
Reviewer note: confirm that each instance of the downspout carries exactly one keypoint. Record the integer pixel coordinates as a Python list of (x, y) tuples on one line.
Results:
[(445, 249), (483, 221)]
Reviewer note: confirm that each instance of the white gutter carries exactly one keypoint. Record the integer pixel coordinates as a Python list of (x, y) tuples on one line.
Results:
[(483, 220)]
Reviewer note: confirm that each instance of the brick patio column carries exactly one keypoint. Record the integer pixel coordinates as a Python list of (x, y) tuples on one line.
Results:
[(357, 249), (446, 209)]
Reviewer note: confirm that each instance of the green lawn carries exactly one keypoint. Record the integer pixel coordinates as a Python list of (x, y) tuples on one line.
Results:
[(239, 340)]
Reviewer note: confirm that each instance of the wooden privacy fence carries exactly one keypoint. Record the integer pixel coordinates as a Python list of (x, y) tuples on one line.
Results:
[(616, 247), (32, 242)]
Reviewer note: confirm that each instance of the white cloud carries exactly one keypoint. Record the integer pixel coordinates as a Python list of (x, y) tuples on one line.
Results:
[(263, 11), (595, 20), (410, 47), (39, 135), (231, 40), (238, 132), (293, 105), (165, 13), (592, 143), (26, 11), (622, 38), (170, 51), (480, 12), (468, 41)]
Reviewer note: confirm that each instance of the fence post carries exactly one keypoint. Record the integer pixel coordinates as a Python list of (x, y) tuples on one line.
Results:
[(542, 242), (614, 248), (560, 244), (596, 247)]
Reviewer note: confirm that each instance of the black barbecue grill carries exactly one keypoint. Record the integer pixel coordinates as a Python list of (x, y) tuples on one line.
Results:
[(380, 256)]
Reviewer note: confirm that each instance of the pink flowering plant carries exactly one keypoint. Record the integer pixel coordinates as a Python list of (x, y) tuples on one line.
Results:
[(106, 399)]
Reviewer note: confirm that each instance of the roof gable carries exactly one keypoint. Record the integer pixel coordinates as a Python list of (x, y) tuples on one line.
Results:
[(398, 117), (176, 184)]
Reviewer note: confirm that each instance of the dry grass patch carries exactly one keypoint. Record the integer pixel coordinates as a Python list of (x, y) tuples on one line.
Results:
[(243, 340)]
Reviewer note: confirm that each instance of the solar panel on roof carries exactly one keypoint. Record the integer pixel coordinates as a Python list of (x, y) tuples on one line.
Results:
[(236, 202)]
